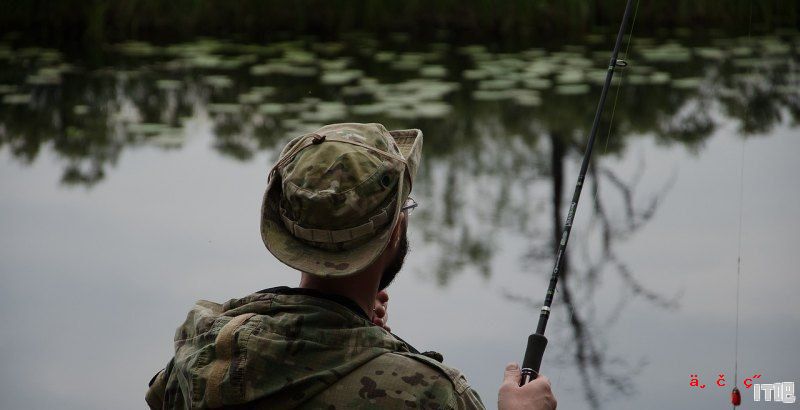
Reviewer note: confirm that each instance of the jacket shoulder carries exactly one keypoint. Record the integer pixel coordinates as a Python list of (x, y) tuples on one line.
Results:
[(452, 374), (465, 396), (400, 380)]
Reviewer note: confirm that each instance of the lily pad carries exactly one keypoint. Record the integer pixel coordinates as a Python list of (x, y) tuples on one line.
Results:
[(659, 77), (224, 108), (283, 68), (368, 109), (403, 113), (787, 89), (299, 57), (689, 83), (747, 62), (325, 112), (251, 98), (537, 83), (433, 71), (340, 77), (168, 139), (385, 56), (39, 79), (168, 85), (572, 89), (775, 47), (472, 49), (633, 79), (497, 84), (407, 65), (218, 81), (335, 64), (667, 53), (594, 38), (710, 53), (271, 109), (742, 51), (264, 90), (570, 76), (527, 98), (433, 109), (146, 128), (211, 61), (540, 68), (136, 48), (475, 74), (6, 53), (491, 95), (355, 91), (17, 99)]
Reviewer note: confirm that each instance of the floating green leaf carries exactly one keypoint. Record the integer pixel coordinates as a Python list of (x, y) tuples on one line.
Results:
[(222, 108), (687, 83), (146, 128), (368, 109), (218, 81), (432, 109), (168, 84), (271, 109), (572, 89), (340, 77), (433, 71), (17, 99)]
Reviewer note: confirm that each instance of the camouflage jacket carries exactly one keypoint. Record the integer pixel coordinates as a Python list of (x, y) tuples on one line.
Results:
[(286, 348)]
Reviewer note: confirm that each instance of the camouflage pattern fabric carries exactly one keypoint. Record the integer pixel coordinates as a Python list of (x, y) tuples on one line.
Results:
[(279, 351), (335, 195), (334, 184)]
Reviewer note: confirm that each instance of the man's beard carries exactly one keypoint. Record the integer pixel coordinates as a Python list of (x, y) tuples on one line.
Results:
[(394, 266)]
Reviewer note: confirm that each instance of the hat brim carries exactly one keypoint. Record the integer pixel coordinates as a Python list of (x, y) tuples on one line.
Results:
[(328, 263)]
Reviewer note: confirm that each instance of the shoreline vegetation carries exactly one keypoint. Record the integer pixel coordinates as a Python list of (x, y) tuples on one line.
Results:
[(82, 23)]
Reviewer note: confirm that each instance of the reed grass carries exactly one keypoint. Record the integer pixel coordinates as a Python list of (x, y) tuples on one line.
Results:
[(502, 21)]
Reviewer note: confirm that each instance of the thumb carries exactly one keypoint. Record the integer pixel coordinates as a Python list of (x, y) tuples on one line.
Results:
[(512, 374)]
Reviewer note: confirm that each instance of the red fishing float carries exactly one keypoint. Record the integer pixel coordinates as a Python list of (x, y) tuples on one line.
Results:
[(736, 397)]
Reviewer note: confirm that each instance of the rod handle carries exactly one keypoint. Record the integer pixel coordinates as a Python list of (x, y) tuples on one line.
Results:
[(533, 358)]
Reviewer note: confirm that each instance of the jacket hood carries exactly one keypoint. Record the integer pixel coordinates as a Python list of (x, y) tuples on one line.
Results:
[(284, 348)]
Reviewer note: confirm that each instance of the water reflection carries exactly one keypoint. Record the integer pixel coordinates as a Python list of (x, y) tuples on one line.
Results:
[(602, 370), (260, 94), (502, 128)]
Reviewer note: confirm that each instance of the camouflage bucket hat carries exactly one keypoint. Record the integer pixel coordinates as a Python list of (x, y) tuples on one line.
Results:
[(335, 195)]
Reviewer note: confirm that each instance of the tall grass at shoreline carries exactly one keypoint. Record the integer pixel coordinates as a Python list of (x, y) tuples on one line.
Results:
[(65, 22)]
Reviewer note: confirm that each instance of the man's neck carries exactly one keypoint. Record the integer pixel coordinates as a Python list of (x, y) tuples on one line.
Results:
[(361, 288)]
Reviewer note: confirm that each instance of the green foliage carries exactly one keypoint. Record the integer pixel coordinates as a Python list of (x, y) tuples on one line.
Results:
[(62, 22)]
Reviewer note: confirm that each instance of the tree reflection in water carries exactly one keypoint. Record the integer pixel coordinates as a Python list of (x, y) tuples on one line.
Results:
[(597, 365), (499, 128)]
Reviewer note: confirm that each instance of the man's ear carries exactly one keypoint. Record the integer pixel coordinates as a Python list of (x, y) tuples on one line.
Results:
[(398, 230)]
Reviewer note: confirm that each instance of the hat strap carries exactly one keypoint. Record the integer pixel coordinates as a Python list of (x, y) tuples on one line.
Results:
[(377, 151), (341, 235), (314, 139)]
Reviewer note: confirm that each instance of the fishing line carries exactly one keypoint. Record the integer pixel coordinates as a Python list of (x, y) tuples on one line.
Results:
[(621, 84), (622, 78), (738, 276), (735, 394), (537, 342)]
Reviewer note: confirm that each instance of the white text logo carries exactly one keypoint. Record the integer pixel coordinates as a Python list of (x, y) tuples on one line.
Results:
[(781, 392)]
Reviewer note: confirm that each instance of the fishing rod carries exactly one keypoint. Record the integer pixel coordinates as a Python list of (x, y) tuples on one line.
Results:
[(537, 342)]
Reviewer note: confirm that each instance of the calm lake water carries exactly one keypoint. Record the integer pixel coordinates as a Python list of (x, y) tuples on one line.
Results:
[(132, 177)]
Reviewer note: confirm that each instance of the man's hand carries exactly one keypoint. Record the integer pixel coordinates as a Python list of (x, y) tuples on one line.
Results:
[(380, 314), (535, 395)]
